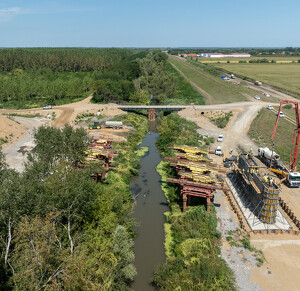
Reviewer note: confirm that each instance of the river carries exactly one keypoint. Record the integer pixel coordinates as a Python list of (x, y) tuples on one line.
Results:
[(149, 214)]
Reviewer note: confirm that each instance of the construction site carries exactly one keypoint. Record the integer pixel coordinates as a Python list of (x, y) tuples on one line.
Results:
[(259, 192)]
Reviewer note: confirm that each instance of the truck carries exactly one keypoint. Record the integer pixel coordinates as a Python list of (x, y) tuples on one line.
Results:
[(267, 156), (258, 83), (272, 160), (109, 124), (114, 124), (232, 76)]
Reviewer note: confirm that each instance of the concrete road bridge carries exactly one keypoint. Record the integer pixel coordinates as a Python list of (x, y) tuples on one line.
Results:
[(152, 108)]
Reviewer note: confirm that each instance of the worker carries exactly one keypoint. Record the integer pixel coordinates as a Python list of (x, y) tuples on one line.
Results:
[(231, 151), (247, 156), (250, 151), (266, 178), (271, 181)]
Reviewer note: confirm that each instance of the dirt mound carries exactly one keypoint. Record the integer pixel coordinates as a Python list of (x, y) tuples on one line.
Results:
[(10, 131)]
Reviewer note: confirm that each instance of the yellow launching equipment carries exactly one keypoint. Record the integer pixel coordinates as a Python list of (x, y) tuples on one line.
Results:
[(195, 158), (197, 168), (190, 150), (199, 178)]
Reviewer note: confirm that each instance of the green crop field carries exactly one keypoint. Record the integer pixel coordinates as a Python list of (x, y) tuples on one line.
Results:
[(261, 131), (214, 89), (283, 76)]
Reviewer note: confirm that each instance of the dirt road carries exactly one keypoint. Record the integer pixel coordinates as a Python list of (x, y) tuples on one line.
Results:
[(16, 153)]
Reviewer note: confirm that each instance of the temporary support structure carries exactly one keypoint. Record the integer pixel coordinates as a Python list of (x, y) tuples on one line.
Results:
[(191, 188)]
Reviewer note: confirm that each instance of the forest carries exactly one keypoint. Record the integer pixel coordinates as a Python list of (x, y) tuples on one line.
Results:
[(39, 76), (59, 229)]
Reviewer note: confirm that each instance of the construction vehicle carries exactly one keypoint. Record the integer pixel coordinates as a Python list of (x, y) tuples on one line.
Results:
[(111, 124), (95, 125), (290, 175), (268, 156), (114, 124)]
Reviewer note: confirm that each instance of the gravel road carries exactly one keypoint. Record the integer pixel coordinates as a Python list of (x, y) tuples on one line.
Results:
[(16, 153), (239, 259)]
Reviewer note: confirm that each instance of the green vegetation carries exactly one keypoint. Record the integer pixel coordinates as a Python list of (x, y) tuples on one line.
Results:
[(59, 229), (3, 140), (184, 94), (261, 131), (40, 76), (23, 115), (193, 256), (163, 82), (282, 76), (142, 151), (195, 263), (85, 117), (221, 122), (215, 90), (37, 77), (256, 52), (238, 238)]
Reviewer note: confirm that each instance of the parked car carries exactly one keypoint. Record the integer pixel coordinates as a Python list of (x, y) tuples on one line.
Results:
[(218, 151), (257, 97), (47, 107), (270, 107), (267, 95), (281, 114), (220, 137)]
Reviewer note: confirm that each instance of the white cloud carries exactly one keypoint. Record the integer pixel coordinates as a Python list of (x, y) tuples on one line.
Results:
[(9, 13)]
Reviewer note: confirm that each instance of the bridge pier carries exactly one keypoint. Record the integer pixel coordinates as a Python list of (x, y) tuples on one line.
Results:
[(151, 114)]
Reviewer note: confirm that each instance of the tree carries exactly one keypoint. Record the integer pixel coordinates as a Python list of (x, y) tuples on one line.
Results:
[(39, 258), (122, 248), (142, 97)]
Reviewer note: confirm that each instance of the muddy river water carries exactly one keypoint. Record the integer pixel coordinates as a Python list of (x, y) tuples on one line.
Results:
[(149, 214)]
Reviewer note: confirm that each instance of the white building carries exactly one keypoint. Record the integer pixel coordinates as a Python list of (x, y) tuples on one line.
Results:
[(219, 55)]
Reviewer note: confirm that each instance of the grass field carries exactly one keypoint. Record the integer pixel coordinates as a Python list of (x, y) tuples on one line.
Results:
[(185, 93), (261, 131), (283, 76), (215, 89)]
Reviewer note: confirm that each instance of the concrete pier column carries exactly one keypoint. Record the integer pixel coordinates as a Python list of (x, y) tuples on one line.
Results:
[(151, 114)]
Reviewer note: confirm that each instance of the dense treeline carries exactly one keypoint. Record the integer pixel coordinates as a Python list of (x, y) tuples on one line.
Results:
[(192, 244), (40, 76), (59, 229), (252, 51), (62, 59), (35, 77)]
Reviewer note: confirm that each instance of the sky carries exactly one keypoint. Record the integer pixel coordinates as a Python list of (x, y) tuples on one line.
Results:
[(144, 23)]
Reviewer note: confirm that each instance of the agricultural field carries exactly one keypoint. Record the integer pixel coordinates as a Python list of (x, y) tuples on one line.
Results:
[(282, 76), (214, 89), (261, 131), (287, 59)]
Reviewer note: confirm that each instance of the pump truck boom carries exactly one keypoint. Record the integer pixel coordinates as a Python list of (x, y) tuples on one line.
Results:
[(290, 175)]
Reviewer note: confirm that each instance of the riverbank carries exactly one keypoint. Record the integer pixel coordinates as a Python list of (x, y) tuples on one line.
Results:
[(192, 241)]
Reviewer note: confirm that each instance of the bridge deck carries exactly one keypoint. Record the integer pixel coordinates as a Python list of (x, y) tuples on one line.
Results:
[(157, 107)]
